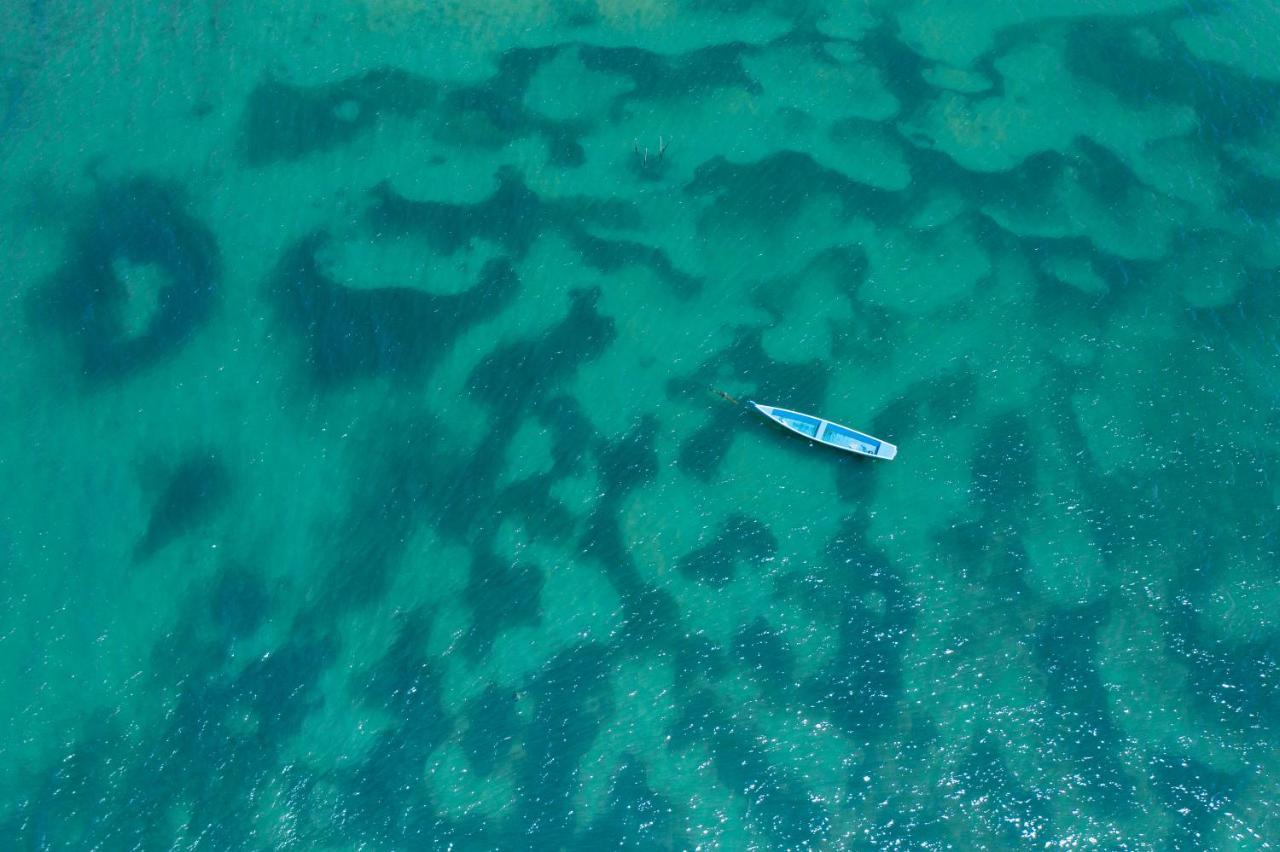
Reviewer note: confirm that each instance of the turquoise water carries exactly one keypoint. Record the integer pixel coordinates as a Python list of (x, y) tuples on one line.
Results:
[(367, 487)]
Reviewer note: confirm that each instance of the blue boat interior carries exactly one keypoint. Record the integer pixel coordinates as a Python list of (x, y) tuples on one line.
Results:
[(835, 434), (842, 437), (800, 422)]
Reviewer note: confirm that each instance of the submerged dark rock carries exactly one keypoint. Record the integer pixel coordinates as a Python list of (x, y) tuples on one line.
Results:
[(196, 490), (287, 122), (741, 539), (514, 217), (139, 222), (353, 334), (525, 372)]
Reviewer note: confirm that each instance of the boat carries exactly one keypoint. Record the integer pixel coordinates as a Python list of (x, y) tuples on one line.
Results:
[(826, 432)]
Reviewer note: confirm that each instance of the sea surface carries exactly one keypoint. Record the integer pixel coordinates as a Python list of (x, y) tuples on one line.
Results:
[(364, 482)]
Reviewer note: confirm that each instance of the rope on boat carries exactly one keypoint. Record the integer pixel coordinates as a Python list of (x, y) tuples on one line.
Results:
[(726, 396)]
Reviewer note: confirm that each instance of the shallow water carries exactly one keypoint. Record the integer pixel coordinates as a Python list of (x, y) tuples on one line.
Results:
[(368, 486)]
